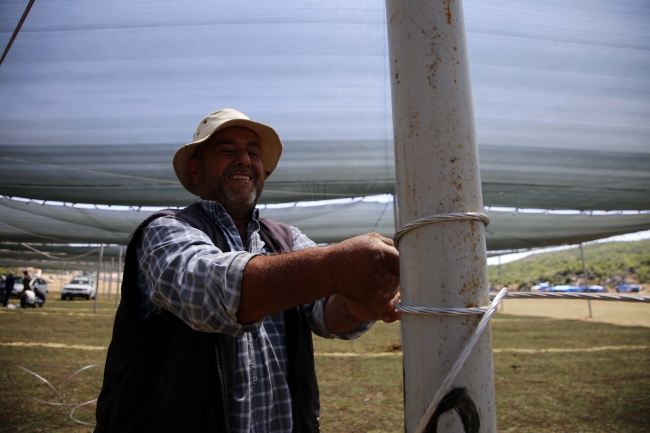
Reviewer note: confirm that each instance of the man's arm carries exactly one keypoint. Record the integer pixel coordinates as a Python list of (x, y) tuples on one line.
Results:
[(181, 271), (363, 270)]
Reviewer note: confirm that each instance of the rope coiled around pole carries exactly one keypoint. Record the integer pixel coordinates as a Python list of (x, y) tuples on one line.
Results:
[(461, 216), (487, 312)]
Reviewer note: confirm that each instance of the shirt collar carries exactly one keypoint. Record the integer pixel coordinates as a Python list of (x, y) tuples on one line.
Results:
[(220, 217), (217, 212)]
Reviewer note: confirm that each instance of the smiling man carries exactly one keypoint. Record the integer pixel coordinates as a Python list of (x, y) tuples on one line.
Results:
[(213, 332)]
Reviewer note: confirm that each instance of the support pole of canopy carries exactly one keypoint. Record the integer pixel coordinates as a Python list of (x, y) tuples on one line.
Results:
[(110, 277), (118, 289), (437, 173), (585, 276), (105, 276), (61, 277), (99, 268), (500, 280)]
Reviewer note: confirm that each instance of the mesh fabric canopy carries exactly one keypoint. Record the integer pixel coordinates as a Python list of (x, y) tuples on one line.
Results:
[(22, 222), (96, 96)]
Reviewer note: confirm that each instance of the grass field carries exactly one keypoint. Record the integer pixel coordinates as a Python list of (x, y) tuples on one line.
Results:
[(552, 375)]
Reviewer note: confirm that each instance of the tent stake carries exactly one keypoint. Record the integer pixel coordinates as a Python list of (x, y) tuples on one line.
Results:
[(437, 173)]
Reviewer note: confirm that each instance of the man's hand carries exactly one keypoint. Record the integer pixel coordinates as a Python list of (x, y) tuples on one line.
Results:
[(343, 315), (386, 312), (365, 270)]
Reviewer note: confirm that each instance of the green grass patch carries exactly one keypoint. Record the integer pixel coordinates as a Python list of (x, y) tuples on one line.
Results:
[(581, 390)]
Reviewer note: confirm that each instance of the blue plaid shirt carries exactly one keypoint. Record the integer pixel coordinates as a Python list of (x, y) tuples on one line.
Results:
[(182, 271)]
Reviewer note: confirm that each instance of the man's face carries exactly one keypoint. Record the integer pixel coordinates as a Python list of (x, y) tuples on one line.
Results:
[(229, 169)]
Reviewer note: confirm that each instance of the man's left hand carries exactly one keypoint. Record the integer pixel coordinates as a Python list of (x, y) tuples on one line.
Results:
[(385, 312)]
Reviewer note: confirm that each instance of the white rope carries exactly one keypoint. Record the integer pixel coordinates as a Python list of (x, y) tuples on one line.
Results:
[(441, 311), (62, 404), (471, 216), (486, 311), (446, 384), (583, 296)]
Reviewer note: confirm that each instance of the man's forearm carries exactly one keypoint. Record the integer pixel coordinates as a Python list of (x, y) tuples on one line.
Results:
[(275, 283), (365, 270)]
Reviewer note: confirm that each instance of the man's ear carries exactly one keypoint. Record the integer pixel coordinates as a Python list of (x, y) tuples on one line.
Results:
[(193, 168)]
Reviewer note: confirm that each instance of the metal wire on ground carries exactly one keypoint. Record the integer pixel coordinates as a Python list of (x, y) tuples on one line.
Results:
[(63, 404)]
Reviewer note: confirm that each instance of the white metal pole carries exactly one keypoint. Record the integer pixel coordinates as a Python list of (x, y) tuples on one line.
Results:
[(104, 280), (110, 277), (501, 280), (118, 289), (585, 277), (99, 268), (437, 172)]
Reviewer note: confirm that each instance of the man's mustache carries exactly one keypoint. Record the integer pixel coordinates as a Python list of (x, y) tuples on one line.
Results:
[(241, 170)]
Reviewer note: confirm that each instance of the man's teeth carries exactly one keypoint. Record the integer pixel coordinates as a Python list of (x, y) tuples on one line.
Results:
[(239, 177)]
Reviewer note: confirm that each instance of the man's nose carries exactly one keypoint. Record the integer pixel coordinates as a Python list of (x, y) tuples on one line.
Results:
[(242, 158)]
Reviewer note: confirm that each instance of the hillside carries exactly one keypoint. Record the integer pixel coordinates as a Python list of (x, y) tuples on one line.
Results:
[(608, 263)]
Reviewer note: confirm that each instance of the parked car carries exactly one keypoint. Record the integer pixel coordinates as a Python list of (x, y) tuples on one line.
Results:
[(79, 287), (628, 288), (36, 282)]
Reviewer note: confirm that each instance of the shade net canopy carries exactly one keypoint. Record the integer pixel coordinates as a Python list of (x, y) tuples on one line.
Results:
[(39, 226), (95, 97)]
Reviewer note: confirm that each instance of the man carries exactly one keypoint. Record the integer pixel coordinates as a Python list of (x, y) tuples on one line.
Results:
[(213, 332), (27, 296)]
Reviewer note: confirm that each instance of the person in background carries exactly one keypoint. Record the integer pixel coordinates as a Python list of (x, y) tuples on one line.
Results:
[(27, 299), (26, 280), (9, 285), (3, 280), (40, 295)]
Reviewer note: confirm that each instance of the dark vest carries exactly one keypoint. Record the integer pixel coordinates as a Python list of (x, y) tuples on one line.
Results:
[(163, 376)]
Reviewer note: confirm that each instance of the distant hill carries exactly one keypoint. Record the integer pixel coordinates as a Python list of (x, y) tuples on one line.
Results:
[(608, 263)]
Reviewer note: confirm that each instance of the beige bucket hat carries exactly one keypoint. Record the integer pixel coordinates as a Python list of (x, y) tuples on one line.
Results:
[(225, 118)]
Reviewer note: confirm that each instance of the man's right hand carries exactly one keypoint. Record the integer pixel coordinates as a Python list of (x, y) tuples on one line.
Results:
[(365, 269)]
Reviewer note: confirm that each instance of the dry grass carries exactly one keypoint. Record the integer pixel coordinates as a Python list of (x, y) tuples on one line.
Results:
[(576, 389), (616, 313)]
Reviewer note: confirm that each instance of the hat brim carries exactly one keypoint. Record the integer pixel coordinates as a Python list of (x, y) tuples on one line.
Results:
[(270, 152)]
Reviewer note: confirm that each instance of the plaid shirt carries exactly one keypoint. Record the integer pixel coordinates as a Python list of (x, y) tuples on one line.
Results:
[(182, 271)]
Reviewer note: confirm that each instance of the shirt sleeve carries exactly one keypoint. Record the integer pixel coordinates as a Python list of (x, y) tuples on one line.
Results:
[(314, 311), (182, 271)]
